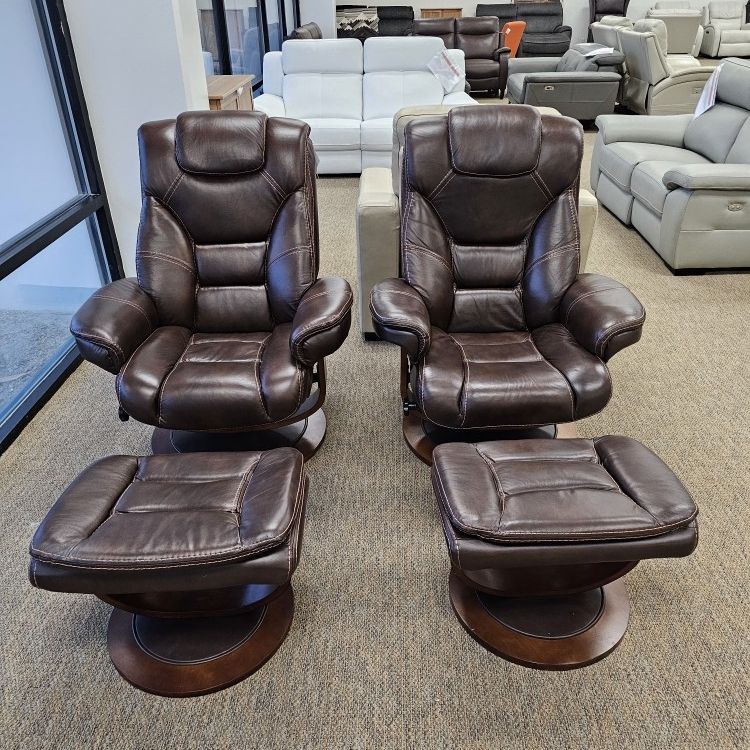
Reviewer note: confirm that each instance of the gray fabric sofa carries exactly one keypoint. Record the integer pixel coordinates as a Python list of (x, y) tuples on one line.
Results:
[(379, 217), (683, 182), (576, 85)]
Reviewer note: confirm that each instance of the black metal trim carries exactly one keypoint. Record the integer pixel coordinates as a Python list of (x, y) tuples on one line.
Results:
[(25, 245), (221, 32), (37, 393), (281, 9), (262, 18)]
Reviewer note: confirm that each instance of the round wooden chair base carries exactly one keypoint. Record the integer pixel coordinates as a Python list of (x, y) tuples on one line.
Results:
[(561, 632), (423, 437), (194, 656), (306, 436)]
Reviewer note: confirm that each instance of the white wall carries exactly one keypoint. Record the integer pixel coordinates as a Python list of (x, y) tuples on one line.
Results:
[(323, 12), (139, 60)]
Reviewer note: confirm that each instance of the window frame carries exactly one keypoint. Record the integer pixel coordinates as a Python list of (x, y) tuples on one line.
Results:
[(90, 206)]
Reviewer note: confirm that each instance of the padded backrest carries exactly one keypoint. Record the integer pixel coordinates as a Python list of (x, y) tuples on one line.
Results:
[(541, 18), (273, 74), (722, 134), (396, 74), (442, 28), (644, 57), (604, 31), (228, 238), (608, 7), (512, 34), (489, 224), (726, 14), (502, 11), (323, 78), (671, 4), (654, 26), (479, 38)]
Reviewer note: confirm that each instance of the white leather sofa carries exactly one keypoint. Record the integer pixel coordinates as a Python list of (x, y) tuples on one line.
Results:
[(348, 93), (684, 25), (683, 182), (379, 216), (725, 32), (657, 84)]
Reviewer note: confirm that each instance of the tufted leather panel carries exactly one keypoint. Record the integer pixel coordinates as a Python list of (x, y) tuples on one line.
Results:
[(179, 522)]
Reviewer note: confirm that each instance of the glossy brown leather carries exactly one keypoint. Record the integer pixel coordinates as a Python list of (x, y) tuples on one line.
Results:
[(490, 243), (132, 524), (554, 502), (486, 57), (227, 250), (398, 310)]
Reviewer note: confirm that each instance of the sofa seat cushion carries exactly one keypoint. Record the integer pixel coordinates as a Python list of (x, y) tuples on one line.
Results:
[(515, 378), (377, 134), (481, 68), (173, 522), (735, 36), (335, 134), (559, 491), (618, 160), (545, 44), (647, 186), (678, 63), (210, 381)]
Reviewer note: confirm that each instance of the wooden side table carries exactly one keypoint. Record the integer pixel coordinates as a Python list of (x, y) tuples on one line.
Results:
[(442, 12), (230, 92)]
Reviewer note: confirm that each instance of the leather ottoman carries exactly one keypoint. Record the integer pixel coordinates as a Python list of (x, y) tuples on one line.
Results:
[(195, 552), (540, 533)]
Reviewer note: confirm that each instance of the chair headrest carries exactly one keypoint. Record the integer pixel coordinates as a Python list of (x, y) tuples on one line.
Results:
[(220, 142), (726, 9), (479, 25), (494, 141), (617, 21), (654, 26)]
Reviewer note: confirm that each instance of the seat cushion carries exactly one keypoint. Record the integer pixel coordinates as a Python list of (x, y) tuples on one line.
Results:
[(126, 521), (646, 183), (559, 491), (735, 36), (482, 68), (618, 160), (512, 379), (185, 381), (377, 134), (334, 134)]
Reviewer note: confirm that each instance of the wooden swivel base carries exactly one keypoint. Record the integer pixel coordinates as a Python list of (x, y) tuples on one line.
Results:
[(306, 436), (180, 656), (552, 632), (423, 437)]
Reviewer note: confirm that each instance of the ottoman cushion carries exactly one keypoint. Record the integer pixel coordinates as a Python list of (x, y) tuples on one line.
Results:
[(561, 492), (172, 522)]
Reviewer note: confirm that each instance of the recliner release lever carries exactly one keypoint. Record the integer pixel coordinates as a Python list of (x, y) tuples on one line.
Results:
[(408, 406)]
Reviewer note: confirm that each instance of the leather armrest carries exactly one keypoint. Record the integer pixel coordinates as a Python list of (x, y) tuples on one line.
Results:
[(666, 130), (708, 177), (499, 52), (400, 316), (113, 322), (563, 29), (603, 315), (321, 323)]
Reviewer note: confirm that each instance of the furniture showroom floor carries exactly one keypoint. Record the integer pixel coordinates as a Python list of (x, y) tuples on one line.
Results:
[(375, 657)]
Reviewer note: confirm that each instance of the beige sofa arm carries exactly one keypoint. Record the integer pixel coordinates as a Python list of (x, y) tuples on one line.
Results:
[(588, 211), (378, 227)]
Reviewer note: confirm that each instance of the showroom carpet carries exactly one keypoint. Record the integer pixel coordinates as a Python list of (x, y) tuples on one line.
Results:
[(375, 657)]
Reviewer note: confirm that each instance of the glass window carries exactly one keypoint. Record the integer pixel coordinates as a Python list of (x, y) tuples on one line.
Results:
[(209, 46), (38, 174), (36, 304), (245, 36), (290, 16)]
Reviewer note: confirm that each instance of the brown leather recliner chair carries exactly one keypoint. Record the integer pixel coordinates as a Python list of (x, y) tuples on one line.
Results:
[(482, 44), (307, 31), (499, 330), (227, 325)]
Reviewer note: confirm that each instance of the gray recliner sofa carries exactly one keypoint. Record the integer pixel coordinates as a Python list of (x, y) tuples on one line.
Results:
[(683, 182), (684, 25), (576, 85)]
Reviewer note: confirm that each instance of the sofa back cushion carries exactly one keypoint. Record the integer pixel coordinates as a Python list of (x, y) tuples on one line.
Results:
[(439, 27), (644, 58), (396, 74), (323, 78), (573, 60), (541, 18), (479, 38), (726, 14), (503, 11)]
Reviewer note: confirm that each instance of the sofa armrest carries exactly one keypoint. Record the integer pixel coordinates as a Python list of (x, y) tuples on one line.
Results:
[(699, 74), (112, 323), (708, 177), (563, 29), (400, 316), (666, 130), (602, 314), (532, 64), (501, 52), (271, 104), (321, 323), (458, 98)]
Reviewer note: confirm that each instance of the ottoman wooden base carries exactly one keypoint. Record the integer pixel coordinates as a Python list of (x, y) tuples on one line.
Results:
[(306, 436), (180, 657), (557, 633)]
